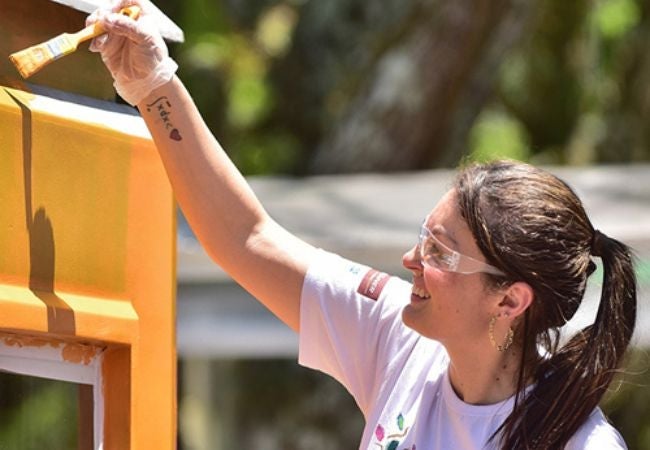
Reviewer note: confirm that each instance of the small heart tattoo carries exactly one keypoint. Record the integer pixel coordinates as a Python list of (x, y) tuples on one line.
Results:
[(175, 135)]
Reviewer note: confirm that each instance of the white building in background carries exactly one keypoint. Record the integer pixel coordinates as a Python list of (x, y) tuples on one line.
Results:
[(374, 219)]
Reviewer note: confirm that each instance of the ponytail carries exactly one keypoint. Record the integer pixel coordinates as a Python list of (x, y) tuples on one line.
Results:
[(534, 228), (572, 382)]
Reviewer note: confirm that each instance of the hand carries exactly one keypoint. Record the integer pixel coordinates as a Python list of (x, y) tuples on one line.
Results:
[(132, 50)]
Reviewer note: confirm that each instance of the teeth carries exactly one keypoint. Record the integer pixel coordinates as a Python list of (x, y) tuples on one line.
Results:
[(420, 292)]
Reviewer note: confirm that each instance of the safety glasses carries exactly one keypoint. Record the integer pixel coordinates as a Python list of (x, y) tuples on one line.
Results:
[(436, 254)]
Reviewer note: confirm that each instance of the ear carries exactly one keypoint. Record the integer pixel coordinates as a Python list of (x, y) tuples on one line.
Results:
[(516, 299)]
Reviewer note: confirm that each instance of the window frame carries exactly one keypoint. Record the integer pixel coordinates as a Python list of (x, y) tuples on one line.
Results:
[(48, 362)]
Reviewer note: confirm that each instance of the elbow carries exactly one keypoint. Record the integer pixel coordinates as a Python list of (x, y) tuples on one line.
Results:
[(233, 247)]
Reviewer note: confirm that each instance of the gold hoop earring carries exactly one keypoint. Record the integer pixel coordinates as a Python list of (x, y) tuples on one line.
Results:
[(507, 342)]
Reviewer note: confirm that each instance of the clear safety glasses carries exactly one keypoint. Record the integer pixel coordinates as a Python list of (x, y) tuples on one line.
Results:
[(436, 254)]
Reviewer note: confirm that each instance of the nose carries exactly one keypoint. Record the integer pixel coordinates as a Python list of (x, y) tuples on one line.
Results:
[(411, 260)]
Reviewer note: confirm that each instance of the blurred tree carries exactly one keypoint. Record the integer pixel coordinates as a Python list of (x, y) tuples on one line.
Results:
[(624, 46), (225, 60), (396, 85), (578, 84), (540, 81), (347, 85)]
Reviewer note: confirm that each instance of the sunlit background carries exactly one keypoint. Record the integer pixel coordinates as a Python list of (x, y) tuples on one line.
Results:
[(348, 118), (281, 83)]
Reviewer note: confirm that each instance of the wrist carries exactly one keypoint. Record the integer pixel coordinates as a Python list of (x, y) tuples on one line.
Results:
[(136, 91), (161, 91)]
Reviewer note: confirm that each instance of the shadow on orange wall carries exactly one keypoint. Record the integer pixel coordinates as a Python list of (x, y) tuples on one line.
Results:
[(42, 250)]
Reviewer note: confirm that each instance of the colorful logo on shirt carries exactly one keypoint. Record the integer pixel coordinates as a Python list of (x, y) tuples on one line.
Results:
[(373, 283), (392, 441)]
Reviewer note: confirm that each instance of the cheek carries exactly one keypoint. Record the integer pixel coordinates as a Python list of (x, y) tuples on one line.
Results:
[(444, 290), (451, 292), (438, 281)]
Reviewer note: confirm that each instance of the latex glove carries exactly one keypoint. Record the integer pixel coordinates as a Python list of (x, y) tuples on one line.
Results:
[(132, 50)]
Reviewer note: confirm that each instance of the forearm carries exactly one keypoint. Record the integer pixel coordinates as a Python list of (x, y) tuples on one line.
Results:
[(221, 208), (214, 196)]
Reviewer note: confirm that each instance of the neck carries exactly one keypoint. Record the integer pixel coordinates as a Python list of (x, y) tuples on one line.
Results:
[(485, 377)]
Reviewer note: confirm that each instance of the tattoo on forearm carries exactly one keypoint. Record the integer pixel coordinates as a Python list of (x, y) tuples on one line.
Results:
[(162, 106)]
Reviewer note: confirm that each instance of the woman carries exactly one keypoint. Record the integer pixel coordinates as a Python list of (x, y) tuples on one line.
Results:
[(464, 357)]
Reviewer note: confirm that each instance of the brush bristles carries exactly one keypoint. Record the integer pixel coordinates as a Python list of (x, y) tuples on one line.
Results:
[(33, 59)]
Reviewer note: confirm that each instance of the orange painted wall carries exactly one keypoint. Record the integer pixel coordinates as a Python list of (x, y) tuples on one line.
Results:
[(87, 236)]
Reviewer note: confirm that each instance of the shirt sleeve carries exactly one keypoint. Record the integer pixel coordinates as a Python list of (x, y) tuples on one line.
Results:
[(351, 327), (596, 434)]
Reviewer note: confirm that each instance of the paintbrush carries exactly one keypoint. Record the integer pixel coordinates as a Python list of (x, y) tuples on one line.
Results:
[(33, 59)]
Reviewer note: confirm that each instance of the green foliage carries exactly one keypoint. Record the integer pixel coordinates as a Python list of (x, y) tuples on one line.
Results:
[(540, 81), (573, 72), (615, 18), (275, 27), (255, 67), (260, 154), (226, 67), (37, 414), (498, 135), (210, 51), (249, 100), (626, 403)]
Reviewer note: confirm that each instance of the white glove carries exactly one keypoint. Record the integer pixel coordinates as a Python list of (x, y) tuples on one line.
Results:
[(132, 50)]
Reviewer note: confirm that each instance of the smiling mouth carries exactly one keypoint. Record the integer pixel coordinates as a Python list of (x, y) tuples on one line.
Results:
[(420, 293)]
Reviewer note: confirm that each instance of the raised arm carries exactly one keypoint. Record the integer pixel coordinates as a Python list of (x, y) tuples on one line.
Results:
[(222, 210)]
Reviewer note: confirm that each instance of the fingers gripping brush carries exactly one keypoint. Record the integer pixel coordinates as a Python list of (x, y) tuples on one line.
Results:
[(33, 59)]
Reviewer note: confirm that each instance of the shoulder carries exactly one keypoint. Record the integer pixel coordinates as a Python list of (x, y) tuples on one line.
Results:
[(330, 275), (596, 433)]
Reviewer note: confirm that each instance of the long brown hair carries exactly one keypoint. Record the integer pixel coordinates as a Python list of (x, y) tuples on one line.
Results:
[(532, 226)]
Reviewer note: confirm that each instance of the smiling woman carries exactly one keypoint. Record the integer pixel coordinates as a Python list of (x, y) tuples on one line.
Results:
[(533, 226), (501, 265)]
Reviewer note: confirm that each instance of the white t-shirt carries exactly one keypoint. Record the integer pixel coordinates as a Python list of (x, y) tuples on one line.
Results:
[(351, 328)]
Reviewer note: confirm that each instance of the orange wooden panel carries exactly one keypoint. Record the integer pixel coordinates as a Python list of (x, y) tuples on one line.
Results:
[(87, 235)]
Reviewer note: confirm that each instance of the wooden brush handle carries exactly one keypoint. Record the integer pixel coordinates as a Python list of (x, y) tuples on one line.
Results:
[(96, 29)]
